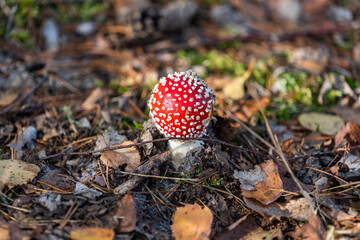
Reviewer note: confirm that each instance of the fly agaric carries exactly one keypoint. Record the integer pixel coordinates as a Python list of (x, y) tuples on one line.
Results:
[(181, 105)]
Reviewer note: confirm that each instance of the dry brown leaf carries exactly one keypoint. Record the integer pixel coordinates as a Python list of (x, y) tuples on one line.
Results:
[(7, 98), (192, 222), (311, 59), (4, 231), (349, 114), (263, 183), (240, 229), (9, 231), (287, 146), (129, 156), (92, 234), (314, 229), (126, 214), (298, 209), (91, 100), (247, 229), (351, 132), (249, 108), (16, 172)]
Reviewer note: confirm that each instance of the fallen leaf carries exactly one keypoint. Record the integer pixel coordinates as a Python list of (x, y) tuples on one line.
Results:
[(324, 123), (115, 158), (298, 209), (7, 98), (349, 114), (351, 132), (262, 183), (9, 231), (108, 139), (89, 193), (247, 229), (90, 101), (16, 172), (352, 163), (126, 214), (287, 146), (314, 6), (92, 234), (192, 222), (241, 229), (314, 229), (235, 90), (339, 215), (25, 137), (4, 231), (311, 59), (247, 108)]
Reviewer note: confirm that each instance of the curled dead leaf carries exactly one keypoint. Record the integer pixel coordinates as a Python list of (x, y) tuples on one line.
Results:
[(350, 132), (249, 107), (192, 222), (262, 183), (129, 156), (125, 214), (298, 209)]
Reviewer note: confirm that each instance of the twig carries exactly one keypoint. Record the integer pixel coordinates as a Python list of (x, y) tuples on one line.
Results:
[(202, 139), (161, 177), (154, 141), (282, 157), (302, 190)]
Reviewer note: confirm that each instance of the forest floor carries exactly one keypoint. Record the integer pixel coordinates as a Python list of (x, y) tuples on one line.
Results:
[(80, 157)]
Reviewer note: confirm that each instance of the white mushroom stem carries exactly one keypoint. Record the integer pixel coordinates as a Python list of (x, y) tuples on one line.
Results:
[(180, 148)]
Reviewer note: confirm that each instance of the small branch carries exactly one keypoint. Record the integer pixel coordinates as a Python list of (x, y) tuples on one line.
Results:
[(298, 183), (154, 141)]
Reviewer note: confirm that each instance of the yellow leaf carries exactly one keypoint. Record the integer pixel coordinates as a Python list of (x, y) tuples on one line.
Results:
[(92, 234), (192, 222)]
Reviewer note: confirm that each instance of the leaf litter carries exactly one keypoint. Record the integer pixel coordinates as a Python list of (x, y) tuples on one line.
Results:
[(284, 71)]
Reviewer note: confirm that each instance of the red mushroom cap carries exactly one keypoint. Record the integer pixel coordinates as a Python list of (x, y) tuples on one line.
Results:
[(182, 105)]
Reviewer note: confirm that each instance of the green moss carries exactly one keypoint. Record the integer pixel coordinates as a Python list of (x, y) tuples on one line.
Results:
[(81, 11), (212, 2), (99, 83), (352, 82), (215, 62), (26, 9), (115, 85), (262, 70), (23, 36), (138, 126), (332, 97)]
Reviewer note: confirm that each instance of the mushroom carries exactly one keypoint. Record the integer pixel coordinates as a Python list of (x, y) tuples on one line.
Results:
[(182, 105)]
